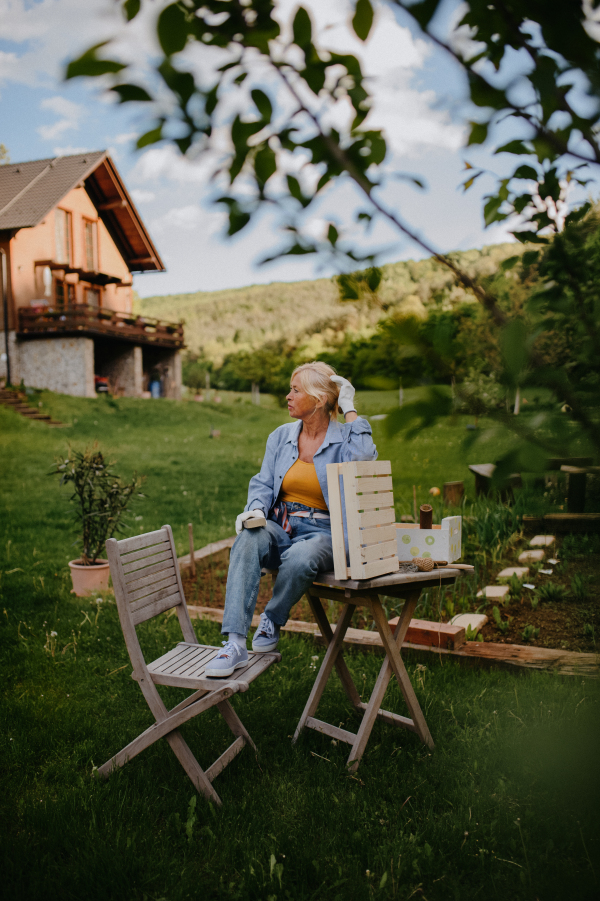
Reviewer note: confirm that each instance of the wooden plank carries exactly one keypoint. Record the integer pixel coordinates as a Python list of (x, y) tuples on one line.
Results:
[(148, 591), (144, 552), (336, 521), (439, 635), (161, 571), (395, 581), (373, 468), (381, 533), (155, 608), (375, 568), (219, 765), (137, 565), (393, 719), (194, 665), (331, 731), (235, 723), (348, 471), (379, 550), (216, 547), (375, 501), (171, 655), (375, 518), (380, 484), (127, 545)]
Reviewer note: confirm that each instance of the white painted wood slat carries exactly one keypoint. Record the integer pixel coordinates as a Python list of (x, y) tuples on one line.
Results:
[(382, 483)]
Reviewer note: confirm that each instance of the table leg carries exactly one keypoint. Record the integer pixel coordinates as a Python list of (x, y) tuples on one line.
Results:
[(340, 664), (394, 662), (325, 670), (390, 665)]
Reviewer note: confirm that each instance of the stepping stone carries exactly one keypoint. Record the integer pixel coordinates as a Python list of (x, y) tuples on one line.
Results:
[(493, 591), (542, 541), (532, 556), (475, 620), (510, 571)]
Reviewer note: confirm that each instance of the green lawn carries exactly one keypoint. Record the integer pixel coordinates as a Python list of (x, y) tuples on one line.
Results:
[(506, 805)]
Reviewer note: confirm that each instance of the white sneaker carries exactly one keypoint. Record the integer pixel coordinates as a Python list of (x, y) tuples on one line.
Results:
[(231, 658)]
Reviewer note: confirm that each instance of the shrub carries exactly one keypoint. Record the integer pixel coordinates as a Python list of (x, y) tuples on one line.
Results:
[(529, 633)]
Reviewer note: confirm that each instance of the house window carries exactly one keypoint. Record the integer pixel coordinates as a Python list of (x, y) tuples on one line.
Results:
[(92, 297), (62, 233), (64, 294), (91, 245)]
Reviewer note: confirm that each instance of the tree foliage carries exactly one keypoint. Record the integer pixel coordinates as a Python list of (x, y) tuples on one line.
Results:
[(532, 67)]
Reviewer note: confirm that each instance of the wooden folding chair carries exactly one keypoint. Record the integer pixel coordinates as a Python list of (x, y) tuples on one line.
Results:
[(147, 582)]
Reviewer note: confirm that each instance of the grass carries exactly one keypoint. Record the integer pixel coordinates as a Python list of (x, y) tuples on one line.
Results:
[(506, 805)]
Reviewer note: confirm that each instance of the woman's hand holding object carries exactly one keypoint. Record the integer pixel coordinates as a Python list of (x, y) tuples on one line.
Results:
[(346, 396), (243, 517)]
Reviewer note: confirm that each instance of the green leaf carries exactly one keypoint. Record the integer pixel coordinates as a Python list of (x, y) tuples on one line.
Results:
[(363, 19), (527, 172), (131, 92), (530, 257), (383, 880), (578, 214), (172, 29), (509, 263), (423, 12), (513, 147), (479, 132), (130, 9), (89, 65), (302, 28), (332, 234), (263, 104), (265, 164), (151, 137), (491, 210)]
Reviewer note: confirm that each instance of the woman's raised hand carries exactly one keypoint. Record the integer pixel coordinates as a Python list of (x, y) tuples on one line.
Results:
[(346, 395)]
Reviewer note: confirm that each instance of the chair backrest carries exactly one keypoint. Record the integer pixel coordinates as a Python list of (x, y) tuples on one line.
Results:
[(366, 498), (147, 582)]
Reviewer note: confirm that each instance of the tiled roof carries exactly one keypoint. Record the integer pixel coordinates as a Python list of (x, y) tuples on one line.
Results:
[(28, 191)]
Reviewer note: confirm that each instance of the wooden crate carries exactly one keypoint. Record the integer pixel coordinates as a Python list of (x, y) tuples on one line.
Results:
[(367, 500)]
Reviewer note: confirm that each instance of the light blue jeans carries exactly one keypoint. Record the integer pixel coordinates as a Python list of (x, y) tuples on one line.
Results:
[(298, 557)]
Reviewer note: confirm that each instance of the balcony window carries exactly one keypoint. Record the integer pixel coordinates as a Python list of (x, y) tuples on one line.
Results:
[(90, 233), (62, 234), (64, 294)]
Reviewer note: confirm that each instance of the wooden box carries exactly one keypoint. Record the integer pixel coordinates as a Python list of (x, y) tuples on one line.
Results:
[(441, 542)]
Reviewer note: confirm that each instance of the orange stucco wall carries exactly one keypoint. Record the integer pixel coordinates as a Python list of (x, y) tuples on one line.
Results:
[(31, 245)]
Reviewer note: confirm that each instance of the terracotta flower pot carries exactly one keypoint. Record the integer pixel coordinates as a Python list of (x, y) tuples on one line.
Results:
[(90, 578)]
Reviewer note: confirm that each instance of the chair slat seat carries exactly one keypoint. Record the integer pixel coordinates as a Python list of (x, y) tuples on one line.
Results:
[(147, 582), (184, 666)]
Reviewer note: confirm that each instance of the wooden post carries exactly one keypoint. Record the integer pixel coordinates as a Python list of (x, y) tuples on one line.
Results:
[(453, 493), (425, 516), (192, 560), (415, 503), (517, 401)]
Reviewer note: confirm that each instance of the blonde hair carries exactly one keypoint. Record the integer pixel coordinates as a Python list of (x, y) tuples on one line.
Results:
[(315, 380)]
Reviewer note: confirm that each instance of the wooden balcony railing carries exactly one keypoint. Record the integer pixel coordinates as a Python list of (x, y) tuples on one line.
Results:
[(86, 320)]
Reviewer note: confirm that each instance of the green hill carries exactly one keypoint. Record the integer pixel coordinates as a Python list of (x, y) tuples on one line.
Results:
[(309, 312)]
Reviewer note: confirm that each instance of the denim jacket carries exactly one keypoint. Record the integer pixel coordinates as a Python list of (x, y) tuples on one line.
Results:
[(343, 444)]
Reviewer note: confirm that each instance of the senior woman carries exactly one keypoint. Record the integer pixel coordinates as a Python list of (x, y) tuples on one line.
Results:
[(291, 492)]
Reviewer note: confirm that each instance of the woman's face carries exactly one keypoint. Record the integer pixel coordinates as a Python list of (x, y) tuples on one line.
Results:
[(300, 404)]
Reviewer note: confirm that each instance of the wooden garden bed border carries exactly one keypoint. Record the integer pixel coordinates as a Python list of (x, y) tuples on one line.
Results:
[(491, 654)]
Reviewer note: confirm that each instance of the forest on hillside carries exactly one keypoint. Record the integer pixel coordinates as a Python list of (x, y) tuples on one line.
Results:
[(307, 316)]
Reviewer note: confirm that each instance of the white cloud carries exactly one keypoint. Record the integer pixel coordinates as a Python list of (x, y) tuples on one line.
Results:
[(140, 196), (70, 112), (167, 163), (69, 150), (186, 218), (125, 138)]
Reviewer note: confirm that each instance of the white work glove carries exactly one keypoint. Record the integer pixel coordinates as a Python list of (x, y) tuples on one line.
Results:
[(249, 514), (346, 396)]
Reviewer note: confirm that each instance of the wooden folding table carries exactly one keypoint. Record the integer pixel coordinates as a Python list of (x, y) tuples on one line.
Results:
[(353, 593)]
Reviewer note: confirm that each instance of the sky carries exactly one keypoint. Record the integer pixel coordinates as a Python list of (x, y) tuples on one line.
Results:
[(419, 101)]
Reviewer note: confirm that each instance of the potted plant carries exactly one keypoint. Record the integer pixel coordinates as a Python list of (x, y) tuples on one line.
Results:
[(101, 499)]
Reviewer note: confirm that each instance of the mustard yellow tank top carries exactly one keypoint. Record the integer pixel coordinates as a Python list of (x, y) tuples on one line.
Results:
[(301, 486)]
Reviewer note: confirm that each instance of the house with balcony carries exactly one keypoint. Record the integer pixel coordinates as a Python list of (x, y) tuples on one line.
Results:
[(70, 241)]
